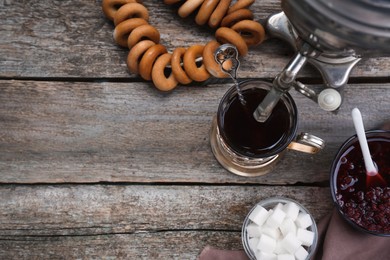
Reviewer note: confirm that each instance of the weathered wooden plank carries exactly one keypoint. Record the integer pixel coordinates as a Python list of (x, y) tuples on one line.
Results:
[(159, 245), (56, 132), (73, 39), (132, 221), (78, 210)]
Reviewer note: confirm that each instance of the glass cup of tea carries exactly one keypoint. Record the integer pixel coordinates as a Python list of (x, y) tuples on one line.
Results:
[(363, 200), (246, 147)]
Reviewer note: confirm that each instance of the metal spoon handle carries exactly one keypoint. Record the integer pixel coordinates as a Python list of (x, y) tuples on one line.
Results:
[(226, 56), (228, 53)]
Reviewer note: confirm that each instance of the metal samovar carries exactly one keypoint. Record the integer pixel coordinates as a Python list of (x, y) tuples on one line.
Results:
[(332, 35)]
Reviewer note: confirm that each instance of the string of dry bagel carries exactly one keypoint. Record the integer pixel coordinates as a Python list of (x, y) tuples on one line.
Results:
[(233, 23)]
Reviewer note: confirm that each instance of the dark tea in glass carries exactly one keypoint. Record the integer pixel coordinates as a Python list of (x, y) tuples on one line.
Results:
[(249, 148), (249, 137)]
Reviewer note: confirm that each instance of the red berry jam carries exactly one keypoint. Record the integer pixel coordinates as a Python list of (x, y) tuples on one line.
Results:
[(365, 201)]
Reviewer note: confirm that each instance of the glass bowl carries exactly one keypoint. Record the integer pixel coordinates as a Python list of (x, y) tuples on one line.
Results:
[(360, 205), (270, 204)]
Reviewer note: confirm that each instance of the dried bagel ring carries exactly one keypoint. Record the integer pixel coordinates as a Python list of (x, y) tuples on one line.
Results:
[(123, 30), (135, 54), (236, 16), (209, 61), (110, 7), (193, 71), (252, 32), (148, 59), (205, 11), (131, 10), (145, 31), (161, 81), (227, 35), (188, 7), (240, 4), (219, 13), (177, 68), (151, 60)]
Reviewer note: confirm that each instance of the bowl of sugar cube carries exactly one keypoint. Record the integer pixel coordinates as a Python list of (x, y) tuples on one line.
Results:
[(279, 228)]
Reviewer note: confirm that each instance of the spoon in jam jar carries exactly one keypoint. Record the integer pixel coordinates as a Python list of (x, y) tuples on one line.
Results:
[(373, 176)]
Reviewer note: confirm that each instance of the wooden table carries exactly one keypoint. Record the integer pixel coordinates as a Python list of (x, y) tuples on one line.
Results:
[(97, 163)]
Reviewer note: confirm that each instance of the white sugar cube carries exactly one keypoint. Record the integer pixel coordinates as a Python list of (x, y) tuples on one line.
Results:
[(292, 210), (279, 206), (279, 249), (266, 256), (305, 236), (266, 244), (272, 232), (252, 242), (288, 226), (276, 218), (286, 257), (253, 230), (291, 243), (259, 215), (303, 220), (301, 253)]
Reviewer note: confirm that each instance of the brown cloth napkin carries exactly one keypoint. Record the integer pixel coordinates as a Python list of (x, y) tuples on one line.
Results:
[(337, 240), (210, 253)]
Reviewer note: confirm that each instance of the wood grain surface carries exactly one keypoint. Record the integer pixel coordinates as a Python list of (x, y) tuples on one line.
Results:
[(73, 39), (95, 163), (83, 132), (159, 222)]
